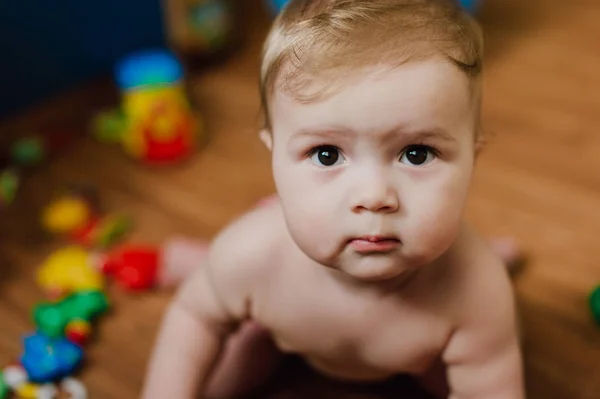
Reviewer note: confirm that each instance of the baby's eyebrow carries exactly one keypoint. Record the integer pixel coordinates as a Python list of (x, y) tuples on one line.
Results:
[(323, 132), (435, 133)]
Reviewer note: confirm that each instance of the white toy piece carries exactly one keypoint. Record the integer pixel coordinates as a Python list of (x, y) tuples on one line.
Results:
[(47, 391), (15, 376), (74, 387)]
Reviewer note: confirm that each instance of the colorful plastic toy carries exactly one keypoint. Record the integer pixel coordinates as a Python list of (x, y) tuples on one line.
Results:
[(211, 23), (57, 319), (135, 268), (74, 388), (28, 151), (3, 387), (594, 303), (160, 126), (75, 217), (14, 376), (107, 126), (46, 359), (66, 214), (9, 184), (69, 270), (30, 390), (78, 331)]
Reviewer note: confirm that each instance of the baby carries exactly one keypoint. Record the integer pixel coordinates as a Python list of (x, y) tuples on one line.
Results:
[(363, 265)]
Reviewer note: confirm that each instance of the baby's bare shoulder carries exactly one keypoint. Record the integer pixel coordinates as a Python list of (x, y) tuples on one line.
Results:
[(484, 296), (243, 253)]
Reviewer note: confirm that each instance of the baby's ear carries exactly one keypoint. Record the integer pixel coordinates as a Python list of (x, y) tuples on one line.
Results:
[(267, 138)]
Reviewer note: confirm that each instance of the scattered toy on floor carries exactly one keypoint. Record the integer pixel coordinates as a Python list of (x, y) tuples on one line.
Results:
[(9, 184), (80, 221), (74, 388), (3, 386), (108, 126), (69, 270), (160, 125), (65, 318), (28, 151), (48, 359), (134, 267)]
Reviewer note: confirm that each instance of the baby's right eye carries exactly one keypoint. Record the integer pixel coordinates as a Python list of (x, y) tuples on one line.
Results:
[(326, 156)]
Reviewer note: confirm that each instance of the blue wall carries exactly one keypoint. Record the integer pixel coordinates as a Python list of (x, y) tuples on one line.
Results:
[(49, 45)]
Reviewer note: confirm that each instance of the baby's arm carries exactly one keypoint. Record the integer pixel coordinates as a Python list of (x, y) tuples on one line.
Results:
[(483, 357), (205, 310)]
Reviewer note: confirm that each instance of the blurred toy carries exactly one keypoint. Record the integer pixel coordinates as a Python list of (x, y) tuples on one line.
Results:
[(3, 387), (211, 24), (36, 391), (594, 303), (143, 267), (200, 28), (78, 218), (108, 126), (276, 5), (47, 359), (69, 270), (470, 5), (28, 151), (65, 318), (66, 214), (134, 267), (74, 388), (160, 125), (9, 184), (14, 376)]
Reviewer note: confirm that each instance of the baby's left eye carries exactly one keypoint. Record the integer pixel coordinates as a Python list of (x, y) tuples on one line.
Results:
[(417, 155)]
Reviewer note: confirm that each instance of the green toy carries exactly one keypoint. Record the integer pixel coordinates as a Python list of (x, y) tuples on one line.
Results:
[(595, 304), (9, 184), (3, 387), (53, 319), (28, 151)]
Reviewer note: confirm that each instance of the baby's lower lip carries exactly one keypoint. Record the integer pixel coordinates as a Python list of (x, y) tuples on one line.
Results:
[(380, 245)]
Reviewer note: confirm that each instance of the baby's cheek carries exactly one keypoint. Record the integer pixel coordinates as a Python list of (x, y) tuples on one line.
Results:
[(313, 233), (432, 231)]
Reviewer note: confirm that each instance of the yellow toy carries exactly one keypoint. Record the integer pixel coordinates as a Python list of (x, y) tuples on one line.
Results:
[(159, 123), (69, 270), (66, 214)]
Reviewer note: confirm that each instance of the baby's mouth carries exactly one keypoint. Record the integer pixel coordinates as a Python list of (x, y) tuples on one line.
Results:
[(374, 244)]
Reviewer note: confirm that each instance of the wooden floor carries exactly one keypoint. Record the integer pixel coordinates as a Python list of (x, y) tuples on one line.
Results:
[(539, 180)]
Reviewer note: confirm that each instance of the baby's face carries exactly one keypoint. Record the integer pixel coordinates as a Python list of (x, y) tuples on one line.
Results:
[(373, 180)]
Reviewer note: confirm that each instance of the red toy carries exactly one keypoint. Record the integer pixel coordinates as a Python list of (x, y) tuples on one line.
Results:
[(135, 268)]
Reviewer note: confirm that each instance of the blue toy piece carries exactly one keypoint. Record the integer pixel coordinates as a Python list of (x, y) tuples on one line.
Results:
[(277, 5), (470, 5), (148, 68), (46, 359)]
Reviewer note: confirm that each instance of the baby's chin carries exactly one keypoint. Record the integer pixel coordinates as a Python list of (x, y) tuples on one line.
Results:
[(376, 268)]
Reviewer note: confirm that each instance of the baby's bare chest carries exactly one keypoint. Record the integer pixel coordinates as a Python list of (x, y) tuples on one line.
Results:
[(349, 334)]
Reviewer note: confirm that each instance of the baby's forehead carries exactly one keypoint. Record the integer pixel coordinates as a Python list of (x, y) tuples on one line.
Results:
[(427, 88)]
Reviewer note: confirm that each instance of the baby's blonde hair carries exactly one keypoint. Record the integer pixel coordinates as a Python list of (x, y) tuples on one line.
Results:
[(325, 41)]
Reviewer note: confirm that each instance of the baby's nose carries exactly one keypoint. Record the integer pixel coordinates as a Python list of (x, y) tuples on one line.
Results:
[(377, 194)]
